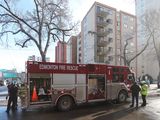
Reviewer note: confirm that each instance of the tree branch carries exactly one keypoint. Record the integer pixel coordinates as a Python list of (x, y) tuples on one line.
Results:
[(15, 17), (24, 43), (141, 50)]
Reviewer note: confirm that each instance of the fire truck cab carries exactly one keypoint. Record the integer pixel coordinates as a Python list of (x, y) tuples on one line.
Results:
[(65, 85)]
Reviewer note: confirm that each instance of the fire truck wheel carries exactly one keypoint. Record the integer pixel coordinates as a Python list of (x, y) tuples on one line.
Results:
[(122, 96), (65, 103)]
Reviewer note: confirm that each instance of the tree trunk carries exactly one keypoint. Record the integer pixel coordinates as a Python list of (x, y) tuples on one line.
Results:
[(43, 56)]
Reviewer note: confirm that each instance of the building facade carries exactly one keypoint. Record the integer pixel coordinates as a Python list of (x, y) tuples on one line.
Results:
[(37, 58), (79, 48), (147, 64), (61, 52), (104, 32), (72, 50), (126, 39)]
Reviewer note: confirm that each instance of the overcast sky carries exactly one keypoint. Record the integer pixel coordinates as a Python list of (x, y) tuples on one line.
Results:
[(80, 7), (15, 57)]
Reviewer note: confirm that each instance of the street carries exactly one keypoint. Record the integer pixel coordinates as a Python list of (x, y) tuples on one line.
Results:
[(97, 111)]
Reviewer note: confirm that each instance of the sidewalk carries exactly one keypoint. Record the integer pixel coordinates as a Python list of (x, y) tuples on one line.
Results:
[(3, 101), (153, 90)]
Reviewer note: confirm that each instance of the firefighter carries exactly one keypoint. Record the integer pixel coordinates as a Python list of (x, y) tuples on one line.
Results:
[(12, 97), (22, 93), (135, 89), (144, 92), (15, 96)]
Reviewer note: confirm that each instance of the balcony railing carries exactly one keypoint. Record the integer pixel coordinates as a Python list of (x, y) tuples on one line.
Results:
[(102, 33), (102, 13), (102, 43), (104, 52), (101, 52), (102, 23)]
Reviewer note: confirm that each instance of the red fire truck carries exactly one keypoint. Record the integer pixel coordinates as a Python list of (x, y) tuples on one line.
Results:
[(65, 85)]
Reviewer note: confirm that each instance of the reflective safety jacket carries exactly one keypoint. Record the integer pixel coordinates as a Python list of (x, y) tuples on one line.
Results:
[(144, 89)]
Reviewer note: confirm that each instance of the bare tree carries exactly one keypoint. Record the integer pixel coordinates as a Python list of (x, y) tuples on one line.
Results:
[(48, 21), (151, 24), (127, 58)]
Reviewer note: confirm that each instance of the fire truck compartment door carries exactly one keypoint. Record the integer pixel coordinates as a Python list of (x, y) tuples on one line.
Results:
[(81, 88), (96, 87), (112, 90), (63, 81)]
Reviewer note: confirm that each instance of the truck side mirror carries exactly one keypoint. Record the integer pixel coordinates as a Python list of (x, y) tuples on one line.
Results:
[(130, 77)]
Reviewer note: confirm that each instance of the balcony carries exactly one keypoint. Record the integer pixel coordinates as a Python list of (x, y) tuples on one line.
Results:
[(110, 58), (101, 59), (110, 49), (101, 23), (109, 21), (101, 52), (102, 13), (102, 33), (102, 43), (110, 30), (110, 40)]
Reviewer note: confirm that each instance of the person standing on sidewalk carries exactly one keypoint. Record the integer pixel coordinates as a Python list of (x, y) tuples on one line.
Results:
[(12, 98), (135, 89), (144, 92)]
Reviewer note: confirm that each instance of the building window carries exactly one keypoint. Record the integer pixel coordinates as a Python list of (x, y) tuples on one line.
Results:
[(110, 40), (98, 9), (110, 49), (131, 27), (125, 25), (118, 23), (132, 44), (100, 19), (131, 19), (110, 58), (110, 12), (110, 30), (110, 21), (125, 18)]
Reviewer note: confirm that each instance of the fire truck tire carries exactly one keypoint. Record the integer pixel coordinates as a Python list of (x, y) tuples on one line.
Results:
[(122, 96), (65, 103)]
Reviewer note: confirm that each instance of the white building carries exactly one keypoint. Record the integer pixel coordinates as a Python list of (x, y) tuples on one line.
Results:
[(147, 64), (104, 32), (79, 49)]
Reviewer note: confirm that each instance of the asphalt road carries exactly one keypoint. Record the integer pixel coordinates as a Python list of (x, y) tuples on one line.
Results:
[(97, 111)]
